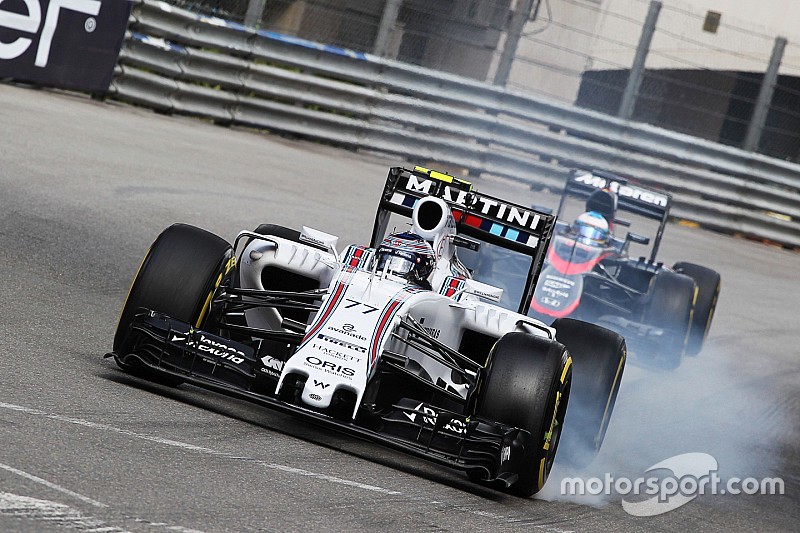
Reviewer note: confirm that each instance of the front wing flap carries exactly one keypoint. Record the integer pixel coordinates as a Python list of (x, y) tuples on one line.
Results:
[(490, 450)]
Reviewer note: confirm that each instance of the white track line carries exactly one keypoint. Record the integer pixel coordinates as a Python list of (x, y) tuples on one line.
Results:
[(46, 483), (25, 507), (272, 466), (55, 513), (199, 449)]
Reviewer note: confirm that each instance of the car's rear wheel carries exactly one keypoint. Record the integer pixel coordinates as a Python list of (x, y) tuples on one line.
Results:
[(527, 385), (177, 277), (670, 307), (598, 356), (708, 283)]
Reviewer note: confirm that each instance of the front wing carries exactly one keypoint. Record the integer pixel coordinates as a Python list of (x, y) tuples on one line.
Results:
[(489, 450)]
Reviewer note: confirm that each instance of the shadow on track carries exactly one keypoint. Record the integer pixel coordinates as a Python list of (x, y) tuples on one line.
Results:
[(311, 433)]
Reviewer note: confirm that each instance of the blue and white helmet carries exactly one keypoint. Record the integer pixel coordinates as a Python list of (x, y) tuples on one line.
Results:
[(591, 228), (406, 255)]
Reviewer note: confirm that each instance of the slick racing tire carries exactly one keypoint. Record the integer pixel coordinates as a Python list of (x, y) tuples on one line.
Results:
[(670, 308), (598, 360), (527, 385), (708, 284), (177, 277)]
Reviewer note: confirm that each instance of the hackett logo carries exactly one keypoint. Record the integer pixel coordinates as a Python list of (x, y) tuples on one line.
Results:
[(30, 24)]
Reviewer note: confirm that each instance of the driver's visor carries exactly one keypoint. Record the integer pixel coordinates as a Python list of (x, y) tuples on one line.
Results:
[(393, 264), (590, 232)]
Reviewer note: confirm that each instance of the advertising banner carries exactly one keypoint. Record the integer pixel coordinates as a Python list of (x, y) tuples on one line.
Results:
[(70, 44)]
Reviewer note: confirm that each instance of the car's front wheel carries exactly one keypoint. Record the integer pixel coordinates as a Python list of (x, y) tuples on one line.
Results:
[(177, 277), (527, 386)]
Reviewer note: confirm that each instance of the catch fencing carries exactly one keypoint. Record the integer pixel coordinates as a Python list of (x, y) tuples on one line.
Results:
[(177, 61)]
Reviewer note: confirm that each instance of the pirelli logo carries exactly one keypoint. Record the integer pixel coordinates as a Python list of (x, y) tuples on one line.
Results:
[(489, 207)]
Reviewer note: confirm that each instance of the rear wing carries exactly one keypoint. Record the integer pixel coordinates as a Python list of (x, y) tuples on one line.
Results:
[(633, 198), (636, 199), (480, 216)]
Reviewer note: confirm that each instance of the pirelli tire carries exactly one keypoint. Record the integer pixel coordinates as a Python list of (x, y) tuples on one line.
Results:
[(527, 385), (177, 277), (708, 283), (598, 360), (670, 308)]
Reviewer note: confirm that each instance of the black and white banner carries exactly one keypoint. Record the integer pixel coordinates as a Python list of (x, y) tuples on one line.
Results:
[(71, 44)]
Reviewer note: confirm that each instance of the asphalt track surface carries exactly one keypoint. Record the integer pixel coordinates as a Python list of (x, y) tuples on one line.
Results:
[(86, 186)]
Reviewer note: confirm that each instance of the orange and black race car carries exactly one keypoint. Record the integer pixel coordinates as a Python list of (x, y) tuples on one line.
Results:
[(589, 274)]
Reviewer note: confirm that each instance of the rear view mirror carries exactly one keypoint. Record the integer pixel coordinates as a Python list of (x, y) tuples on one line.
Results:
[(638, 239), (622, 222), (466, 242)]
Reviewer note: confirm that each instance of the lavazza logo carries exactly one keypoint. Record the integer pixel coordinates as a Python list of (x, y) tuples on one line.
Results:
[(32, 23), (683, 478)]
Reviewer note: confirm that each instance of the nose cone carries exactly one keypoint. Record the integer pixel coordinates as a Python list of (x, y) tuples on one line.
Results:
[(317, 392)]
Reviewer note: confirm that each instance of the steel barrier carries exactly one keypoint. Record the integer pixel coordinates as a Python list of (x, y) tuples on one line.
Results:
[(176, 61)]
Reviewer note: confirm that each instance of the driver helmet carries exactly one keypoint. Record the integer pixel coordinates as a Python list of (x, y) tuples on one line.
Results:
[(406, 255), (591, 228)]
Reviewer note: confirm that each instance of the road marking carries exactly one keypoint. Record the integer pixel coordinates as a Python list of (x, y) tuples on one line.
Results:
[(273, 466), (199, 449), (52, 512), (25, 507), (46, 483)]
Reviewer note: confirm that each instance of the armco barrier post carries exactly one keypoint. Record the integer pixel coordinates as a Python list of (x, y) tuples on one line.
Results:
[(255, 9), (517, 25), (388, 20), (637, 69), (759, 118)]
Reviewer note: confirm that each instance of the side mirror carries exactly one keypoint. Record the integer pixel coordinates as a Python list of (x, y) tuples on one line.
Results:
[(466, 242), (622, 222), (543, 209), (638, 239), (561, 227)]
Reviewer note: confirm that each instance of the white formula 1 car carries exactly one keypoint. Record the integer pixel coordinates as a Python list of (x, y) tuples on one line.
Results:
[(399, 342)]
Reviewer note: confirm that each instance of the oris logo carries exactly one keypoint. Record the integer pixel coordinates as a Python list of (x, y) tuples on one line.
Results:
[(31, 23), (330, 368)]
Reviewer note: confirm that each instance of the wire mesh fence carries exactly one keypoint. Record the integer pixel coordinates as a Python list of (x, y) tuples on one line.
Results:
[(703, 72)]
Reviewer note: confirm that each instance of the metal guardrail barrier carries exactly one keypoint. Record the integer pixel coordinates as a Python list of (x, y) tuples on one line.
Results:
[(176, 61)]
